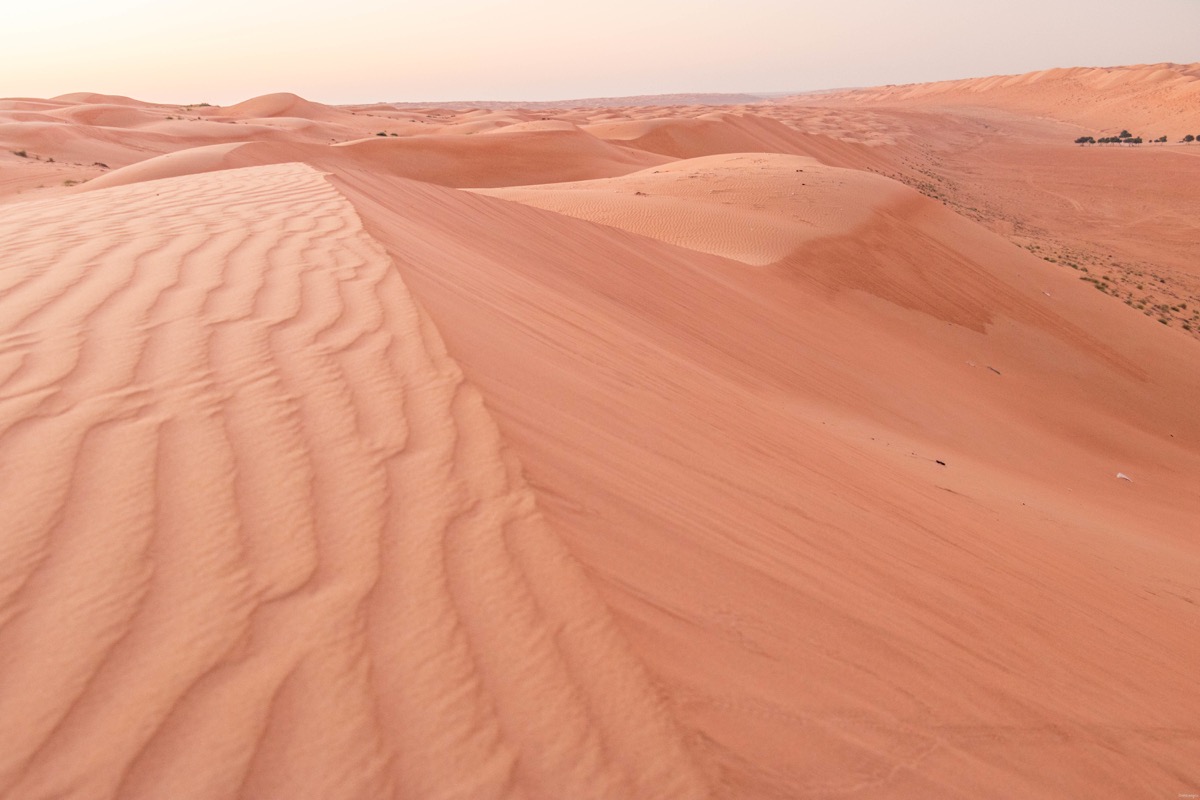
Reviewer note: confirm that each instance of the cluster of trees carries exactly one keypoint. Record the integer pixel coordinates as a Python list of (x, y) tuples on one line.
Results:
[(1125, 137)]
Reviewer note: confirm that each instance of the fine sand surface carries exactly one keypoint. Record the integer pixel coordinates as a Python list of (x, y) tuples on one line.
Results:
[(607, 451), (262, 536)]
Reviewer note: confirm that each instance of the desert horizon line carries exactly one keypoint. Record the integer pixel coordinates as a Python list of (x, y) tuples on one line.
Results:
[(609, 98)]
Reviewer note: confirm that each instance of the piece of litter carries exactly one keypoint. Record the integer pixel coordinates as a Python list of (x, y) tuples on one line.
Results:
[(993, 369), (1124, 477), (943, 463)]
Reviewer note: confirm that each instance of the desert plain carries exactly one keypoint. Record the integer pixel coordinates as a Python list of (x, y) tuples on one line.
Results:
[(832, 445)]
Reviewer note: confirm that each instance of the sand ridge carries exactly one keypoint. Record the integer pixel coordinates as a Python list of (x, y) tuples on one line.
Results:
[(317, 572), (832, 409)]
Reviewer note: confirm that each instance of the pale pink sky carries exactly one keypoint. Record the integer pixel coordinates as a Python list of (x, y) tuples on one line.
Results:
[(222, 51)]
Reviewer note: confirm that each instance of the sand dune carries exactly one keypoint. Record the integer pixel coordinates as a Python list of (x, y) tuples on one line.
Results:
[(1154, 99), (109, 115), (830, 607), (690, 454), (725, 133), (317, 573), (500, 159), (754, 208), (483, 161), (710, 135), (282, 104), (91, 98)]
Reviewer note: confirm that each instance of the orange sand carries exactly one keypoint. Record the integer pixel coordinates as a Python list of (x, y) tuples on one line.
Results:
[(598, 452)]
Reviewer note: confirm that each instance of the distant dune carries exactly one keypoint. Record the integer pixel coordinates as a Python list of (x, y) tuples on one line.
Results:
[(1155, 98), (843, 445), (694, 99), (283, 104)]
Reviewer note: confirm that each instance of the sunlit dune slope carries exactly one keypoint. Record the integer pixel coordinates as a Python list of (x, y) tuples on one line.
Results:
[(261, 537), (754, 207), (747, 461)]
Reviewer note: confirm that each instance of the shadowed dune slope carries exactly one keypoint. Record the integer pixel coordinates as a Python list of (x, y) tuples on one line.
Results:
[(747, 461), (262, 539), (499, 159), (112, 115), (85, 144)]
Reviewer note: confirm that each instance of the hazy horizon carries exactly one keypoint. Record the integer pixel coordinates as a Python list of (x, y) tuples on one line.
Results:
[(533, 50)]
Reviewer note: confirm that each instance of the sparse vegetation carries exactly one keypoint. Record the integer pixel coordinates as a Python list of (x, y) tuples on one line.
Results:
[(1142, 287), (1124, 137), (1173, 303), (20, 153)]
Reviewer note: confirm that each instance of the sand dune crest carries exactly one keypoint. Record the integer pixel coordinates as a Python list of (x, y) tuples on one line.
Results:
[(275, 547)]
